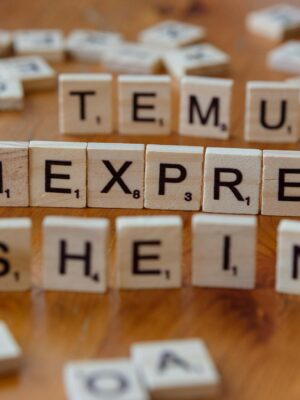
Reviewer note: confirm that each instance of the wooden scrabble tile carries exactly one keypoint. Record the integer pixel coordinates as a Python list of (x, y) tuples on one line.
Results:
[(85, 103), (88, 45), (176, 369), (232, 180), (224, 251), (57, 174), (277, 22), (116, 175), (144, 104), (14, 174), (281, 183), (173, 177), (133, 58), (287, 260), (15, 250), (197, 59), (5, 43), (148, 252), (11, 92), (10, 351), (75, 254), (34, 72), (205, 107), (48, 43), (172, 34), (286, 57), (104, 379), (272, 112)]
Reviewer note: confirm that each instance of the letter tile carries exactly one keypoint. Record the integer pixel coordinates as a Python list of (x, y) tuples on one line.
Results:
[(285, 58), (148, 252), (11, 92), (224, 251), (10, 351), (75, 254)]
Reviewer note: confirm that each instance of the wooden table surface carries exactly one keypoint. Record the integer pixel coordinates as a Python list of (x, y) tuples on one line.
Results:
[(253, 335)]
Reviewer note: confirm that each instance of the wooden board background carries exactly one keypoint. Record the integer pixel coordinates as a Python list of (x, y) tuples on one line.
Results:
[(254, 336)]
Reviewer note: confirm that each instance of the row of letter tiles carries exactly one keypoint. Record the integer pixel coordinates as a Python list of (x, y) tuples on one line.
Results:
[(148, 253), (145, 107)]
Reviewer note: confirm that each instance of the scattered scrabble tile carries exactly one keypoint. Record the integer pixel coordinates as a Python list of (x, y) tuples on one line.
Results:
[(232, 180), (57, 174), (75, 254), (85, 103), (224, 251), (34, 72), (90, 45), (197, 59), (281, 183), (176, 369), (205, 107), (15, 250), (132, 58), (272, 112), (48, 43), (148, 252), (104, 379), (173, 177), (10, 352), (5, 43), (285, 58), (11, 92), (276, 22), (116, 175), (172, 34), (287, 260), (14, 179), (144, 104)]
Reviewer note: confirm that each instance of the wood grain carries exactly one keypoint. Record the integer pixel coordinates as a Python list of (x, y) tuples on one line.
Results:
[(253, 335)]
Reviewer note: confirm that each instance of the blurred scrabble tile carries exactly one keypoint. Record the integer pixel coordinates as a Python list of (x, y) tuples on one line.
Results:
[(10, 351), (224, 251), (197, 59), (286, 57), (281, 183), (104, 379), (287, 260), (15, 251), (34, 72), (14, 174), (176, 369), (172, 34), (133, 58), (115, 175), (86, 45), (5, 43), (144, 105), (277, 22), (173, 177), (11, 92), (57, 174), (272, 112), (85, 103), (148, 252), (47, 43), (232, 180), (205, 107), (75, 254)]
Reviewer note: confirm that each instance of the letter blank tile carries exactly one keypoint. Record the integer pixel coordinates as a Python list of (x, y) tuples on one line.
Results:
[(64, 163), (103, 379), (85, 103), (281, 199), (116, 175), (232, 180), (224, 251), (272, 112), (144, 104), (173, 177), (176, 369), (148, 252), (10, 352), (75, 253), (286, 57)]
